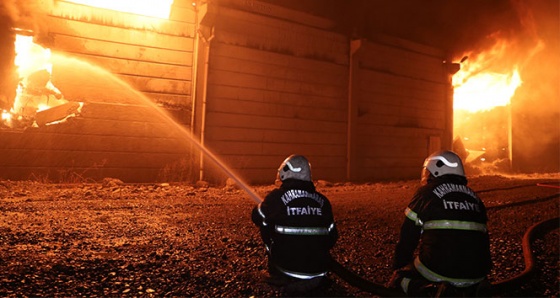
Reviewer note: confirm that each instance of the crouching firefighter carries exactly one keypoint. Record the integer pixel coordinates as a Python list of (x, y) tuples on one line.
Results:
[(448, 221), (297, 227)]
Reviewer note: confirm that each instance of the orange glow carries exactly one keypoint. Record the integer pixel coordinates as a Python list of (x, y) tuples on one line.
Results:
[(35, 91), (152, 8), (6, 117), (30, 59), (30, 56), (477, 87), (483, 89)]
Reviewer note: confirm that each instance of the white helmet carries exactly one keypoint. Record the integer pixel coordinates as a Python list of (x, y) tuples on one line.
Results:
[(442, 163), (295, 167)]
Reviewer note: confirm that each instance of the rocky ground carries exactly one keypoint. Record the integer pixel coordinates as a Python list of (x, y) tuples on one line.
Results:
[(114, 239)]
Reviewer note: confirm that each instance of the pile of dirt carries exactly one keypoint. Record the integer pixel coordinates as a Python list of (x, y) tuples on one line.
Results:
[(115, 239)]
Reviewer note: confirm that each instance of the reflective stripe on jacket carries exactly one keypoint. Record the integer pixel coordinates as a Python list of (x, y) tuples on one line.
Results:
[(432, 276), (301, 275), (297, 225), (445, 224), (306, 231)]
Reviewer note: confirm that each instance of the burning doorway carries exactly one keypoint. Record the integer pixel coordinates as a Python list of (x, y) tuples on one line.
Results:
[(482, 110), (511, 123)]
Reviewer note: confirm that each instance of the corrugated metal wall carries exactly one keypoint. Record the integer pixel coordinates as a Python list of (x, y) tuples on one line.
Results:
[(269, 82), (153, 55), (401, 107), (118, 133), (275, 88), (278, 87)]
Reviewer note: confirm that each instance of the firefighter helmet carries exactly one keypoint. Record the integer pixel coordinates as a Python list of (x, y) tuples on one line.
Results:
[(295, 167), (442, 163)]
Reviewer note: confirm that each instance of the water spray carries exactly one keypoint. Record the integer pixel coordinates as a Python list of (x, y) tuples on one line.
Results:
[(201, 147), (211, 155), (228, 171), (336, 267), (169, 120)]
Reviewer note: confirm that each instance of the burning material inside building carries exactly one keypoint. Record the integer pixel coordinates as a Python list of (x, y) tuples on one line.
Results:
[(97, 124), (482, 111), (254, 80), (35, 91), (504, 84), (67, 119), (512, 68)]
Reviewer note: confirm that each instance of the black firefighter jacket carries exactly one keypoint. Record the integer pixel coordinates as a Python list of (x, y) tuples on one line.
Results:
[(449, 221), (297, 226)]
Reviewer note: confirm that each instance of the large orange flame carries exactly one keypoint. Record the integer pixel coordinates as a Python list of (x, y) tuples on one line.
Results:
[(483, 89), (477, 87), (35, 91), (34, 69)]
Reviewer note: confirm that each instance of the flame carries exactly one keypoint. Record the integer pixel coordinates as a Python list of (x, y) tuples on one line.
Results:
[(479, 86), (483, 89), (152, 8), (35, 91), (34, 68), (30, 56), (32, 61), (483, 117), (6, 117)]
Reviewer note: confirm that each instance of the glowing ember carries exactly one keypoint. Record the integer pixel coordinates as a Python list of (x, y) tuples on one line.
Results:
[(152, 8)]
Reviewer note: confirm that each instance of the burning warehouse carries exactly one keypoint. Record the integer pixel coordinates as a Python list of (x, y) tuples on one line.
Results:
[(84, 83)]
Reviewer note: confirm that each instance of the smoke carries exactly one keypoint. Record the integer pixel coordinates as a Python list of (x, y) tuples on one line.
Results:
[(452, 25), (9, 9), (536, 104), (532, 32), (25, 14), (471, 27)]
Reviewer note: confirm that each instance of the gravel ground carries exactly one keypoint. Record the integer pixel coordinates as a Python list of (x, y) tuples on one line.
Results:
[(154, 240)]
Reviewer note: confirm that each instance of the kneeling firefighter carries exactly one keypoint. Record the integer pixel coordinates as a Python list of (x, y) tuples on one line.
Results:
[(448, 221), (297, 227)]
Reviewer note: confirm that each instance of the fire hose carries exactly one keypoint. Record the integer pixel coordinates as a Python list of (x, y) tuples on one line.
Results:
[(361, 283), (537, 230)]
